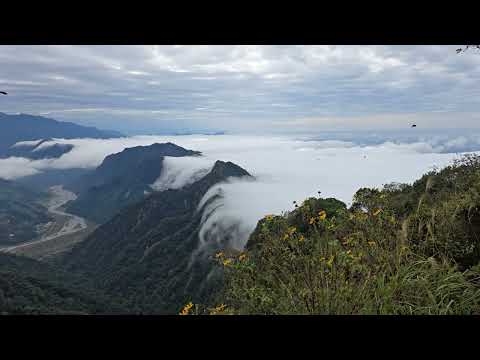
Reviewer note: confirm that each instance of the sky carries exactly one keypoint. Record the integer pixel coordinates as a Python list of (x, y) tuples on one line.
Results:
[(244, 89)]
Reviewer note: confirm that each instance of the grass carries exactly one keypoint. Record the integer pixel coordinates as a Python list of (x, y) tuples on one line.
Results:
[(401, 249)]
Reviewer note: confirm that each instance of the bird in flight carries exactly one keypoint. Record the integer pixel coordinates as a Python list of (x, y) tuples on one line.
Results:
[(3, 92), (414, 125)]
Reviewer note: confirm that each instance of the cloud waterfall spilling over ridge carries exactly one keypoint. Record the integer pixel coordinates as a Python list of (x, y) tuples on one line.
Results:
[(178, 172), (285, 169)]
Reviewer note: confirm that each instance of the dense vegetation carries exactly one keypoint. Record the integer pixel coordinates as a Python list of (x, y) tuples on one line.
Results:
[(401, 249), (121, 180), (20, 213), (146, 255), (32, 287)]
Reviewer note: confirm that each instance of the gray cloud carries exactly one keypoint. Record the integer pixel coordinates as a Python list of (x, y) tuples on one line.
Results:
[(240, 88)]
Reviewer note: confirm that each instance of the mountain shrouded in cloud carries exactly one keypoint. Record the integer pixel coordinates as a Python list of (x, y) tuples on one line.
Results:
[(33, 150), (155, 240), (28, 130), (286, 168), (218, 140), (122, 179)]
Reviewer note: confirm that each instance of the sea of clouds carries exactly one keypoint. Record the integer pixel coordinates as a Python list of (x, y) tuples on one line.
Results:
[(285, 169)]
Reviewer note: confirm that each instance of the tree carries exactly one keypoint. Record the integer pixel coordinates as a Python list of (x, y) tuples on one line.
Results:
[(467, 47)]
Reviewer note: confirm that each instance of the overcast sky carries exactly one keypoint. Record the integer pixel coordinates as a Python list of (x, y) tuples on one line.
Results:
[(149, 89)]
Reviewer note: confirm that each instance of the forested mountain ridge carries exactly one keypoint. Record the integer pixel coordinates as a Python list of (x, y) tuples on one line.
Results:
[(31, 287), (144, 255), (121, 179), (400, 249)]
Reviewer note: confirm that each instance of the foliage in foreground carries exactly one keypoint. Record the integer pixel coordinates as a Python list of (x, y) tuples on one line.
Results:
[(31, 287), (402, 249)]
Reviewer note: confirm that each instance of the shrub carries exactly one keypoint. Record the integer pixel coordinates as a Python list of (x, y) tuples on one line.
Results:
[(402, 249)]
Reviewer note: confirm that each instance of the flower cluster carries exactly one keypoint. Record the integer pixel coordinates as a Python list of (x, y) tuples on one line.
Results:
[(376, 212), (218, 309), (227, 262), (186, 309), (322, 215)]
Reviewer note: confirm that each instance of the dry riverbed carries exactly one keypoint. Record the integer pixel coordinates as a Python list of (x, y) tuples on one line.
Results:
[(59, 235)]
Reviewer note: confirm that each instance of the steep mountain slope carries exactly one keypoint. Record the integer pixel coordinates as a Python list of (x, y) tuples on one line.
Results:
[(122, 179), (146, 254), (51, 177), (31, 287), (23, 127), (20, 213)]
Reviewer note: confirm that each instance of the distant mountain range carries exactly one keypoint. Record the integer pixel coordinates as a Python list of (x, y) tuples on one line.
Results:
[(23, 127), (34, 150), (122, 179), (146, 255)]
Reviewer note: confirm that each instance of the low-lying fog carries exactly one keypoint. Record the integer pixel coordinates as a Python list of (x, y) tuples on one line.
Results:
[(285, 168)]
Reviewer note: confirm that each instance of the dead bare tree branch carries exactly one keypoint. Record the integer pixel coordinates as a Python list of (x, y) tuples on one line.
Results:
[(467, 47)]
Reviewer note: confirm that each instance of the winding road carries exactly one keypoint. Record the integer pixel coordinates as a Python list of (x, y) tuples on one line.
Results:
[(69, 223)]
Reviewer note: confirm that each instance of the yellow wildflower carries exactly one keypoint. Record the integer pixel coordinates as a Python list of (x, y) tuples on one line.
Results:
[(227, 262), (217, 309), (312, 221), (330, 261), (186, 309), (322, 215), (220, 307), (301, 238), (376, 212), (285, 237), (269, 217)]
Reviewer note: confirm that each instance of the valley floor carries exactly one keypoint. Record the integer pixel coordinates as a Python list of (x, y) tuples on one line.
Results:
[(58, 235)]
